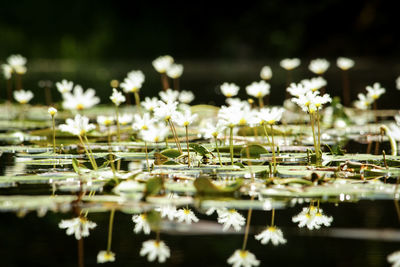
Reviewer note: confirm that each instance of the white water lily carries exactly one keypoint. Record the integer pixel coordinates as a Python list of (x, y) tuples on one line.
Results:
[(241, 104), (163, 63), (186, 215), (184, 118), (141, 224), (363, 102), (314, 84), (375, 91), (79, 99), (78, 126), (167, 211), (142, 123), (305, 101), (125, 118), (131, 85), (169, 95), (212, 130), (394, 259), (186, 97), (175, 71), (155, 133), (312, 217), (234, 116), (297, 90), (165, 111), (231, 218), (78, 226), (273, 234), (243, 258), (258, 89), (290, 63), (22, 96), (117, 97), (64, 86), (17, 63), (105, 256), (105, 120), (270, 115), (150, 103), (7, 71), (155, 249), (229, 89), (266, 73), (344, 63), (136, 75), (52, 111), (319, 65)]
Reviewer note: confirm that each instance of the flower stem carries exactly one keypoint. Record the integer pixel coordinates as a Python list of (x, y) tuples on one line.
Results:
[(54, 133), (319, 131), (187, 143), (266, 133), (261, 102), (164, 81), (147, 156), (176, 84), (178, 146), (273, 217), (219, 155), (118, 126), (246, 232), (110, 228), (231, 142), (87, 152), (273, 148), (110, 151), (91, 152), (314, 139), (137, 101)]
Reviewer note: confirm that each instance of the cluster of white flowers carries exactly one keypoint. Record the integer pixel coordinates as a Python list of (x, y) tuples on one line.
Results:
[(15, 64), (374, 92), (133, 82), (76, 98), (307, 97), (165, 64), (312, 217), (22, 96)]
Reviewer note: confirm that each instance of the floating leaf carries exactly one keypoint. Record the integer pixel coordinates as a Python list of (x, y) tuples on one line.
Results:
[(153, 186)]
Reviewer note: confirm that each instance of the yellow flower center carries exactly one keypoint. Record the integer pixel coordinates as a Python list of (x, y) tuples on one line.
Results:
[(271, 121), (272, 228), (243, 253), (242, 121), (228, 95), (79, 107), (186, 123), (259, 94), (186, 211), (144, 127)]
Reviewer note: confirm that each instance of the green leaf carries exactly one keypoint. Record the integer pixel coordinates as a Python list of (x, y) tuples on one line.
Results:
[(253, 151), (171, 153), (75, 165), (200, 149), (153, 186), (205, 186)]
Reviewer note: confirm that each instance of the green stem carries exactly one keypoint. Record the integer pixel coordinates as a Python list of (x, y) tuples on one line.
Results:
[(54, 134), (314, 139), (261, 102), (246, 232), (273, 148), (118, 126), (147, 156), (231, 143), (219, 155), (110, 227), (91, 152), (175, 135), (110, 151), (319, 131), (137, 101), (187, 143), (273, 217), (266, 133), (87, 152)]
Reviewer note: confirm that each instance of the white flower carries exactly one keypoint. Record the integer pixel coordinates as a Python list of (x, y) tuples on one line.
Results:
[(375, 91), (314, 84), (136, 75), (234, 116), (141, 224), (117, 97), (363, 102), (270, 115), (132, 85), (164, 111), (105, 120), (105, 256), (186, 215), (175, 71), (17, 62), (229, 89), (80, 100), (306, 101), (212, 130), (155, 133), (321, 219), (167, 211), (290, 63), (297, 90), (312, 217), (184, 118), (64, 86), (238, 103), (79, 226), (398, 83), (243, 258), (319, 65), (394, 259), (345, 63), (142, 123), (266, 73), (318, 101), (23, 96), (78, 126), (7, 71), (125, 118), (186, 97), (150, 103), (169, 95), (230, 218), (163, 63), (258, 89), (155, 249), (52, 111), (273, 234)]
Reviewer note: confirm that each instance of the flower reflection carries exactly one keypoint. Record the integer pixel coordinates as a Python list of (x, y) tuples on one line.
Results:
[(230, 218), (105, 256), (141, 224), (155, 249), (79, 226), (273, 234), (312, 217), (394, 258), (243, 258)]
